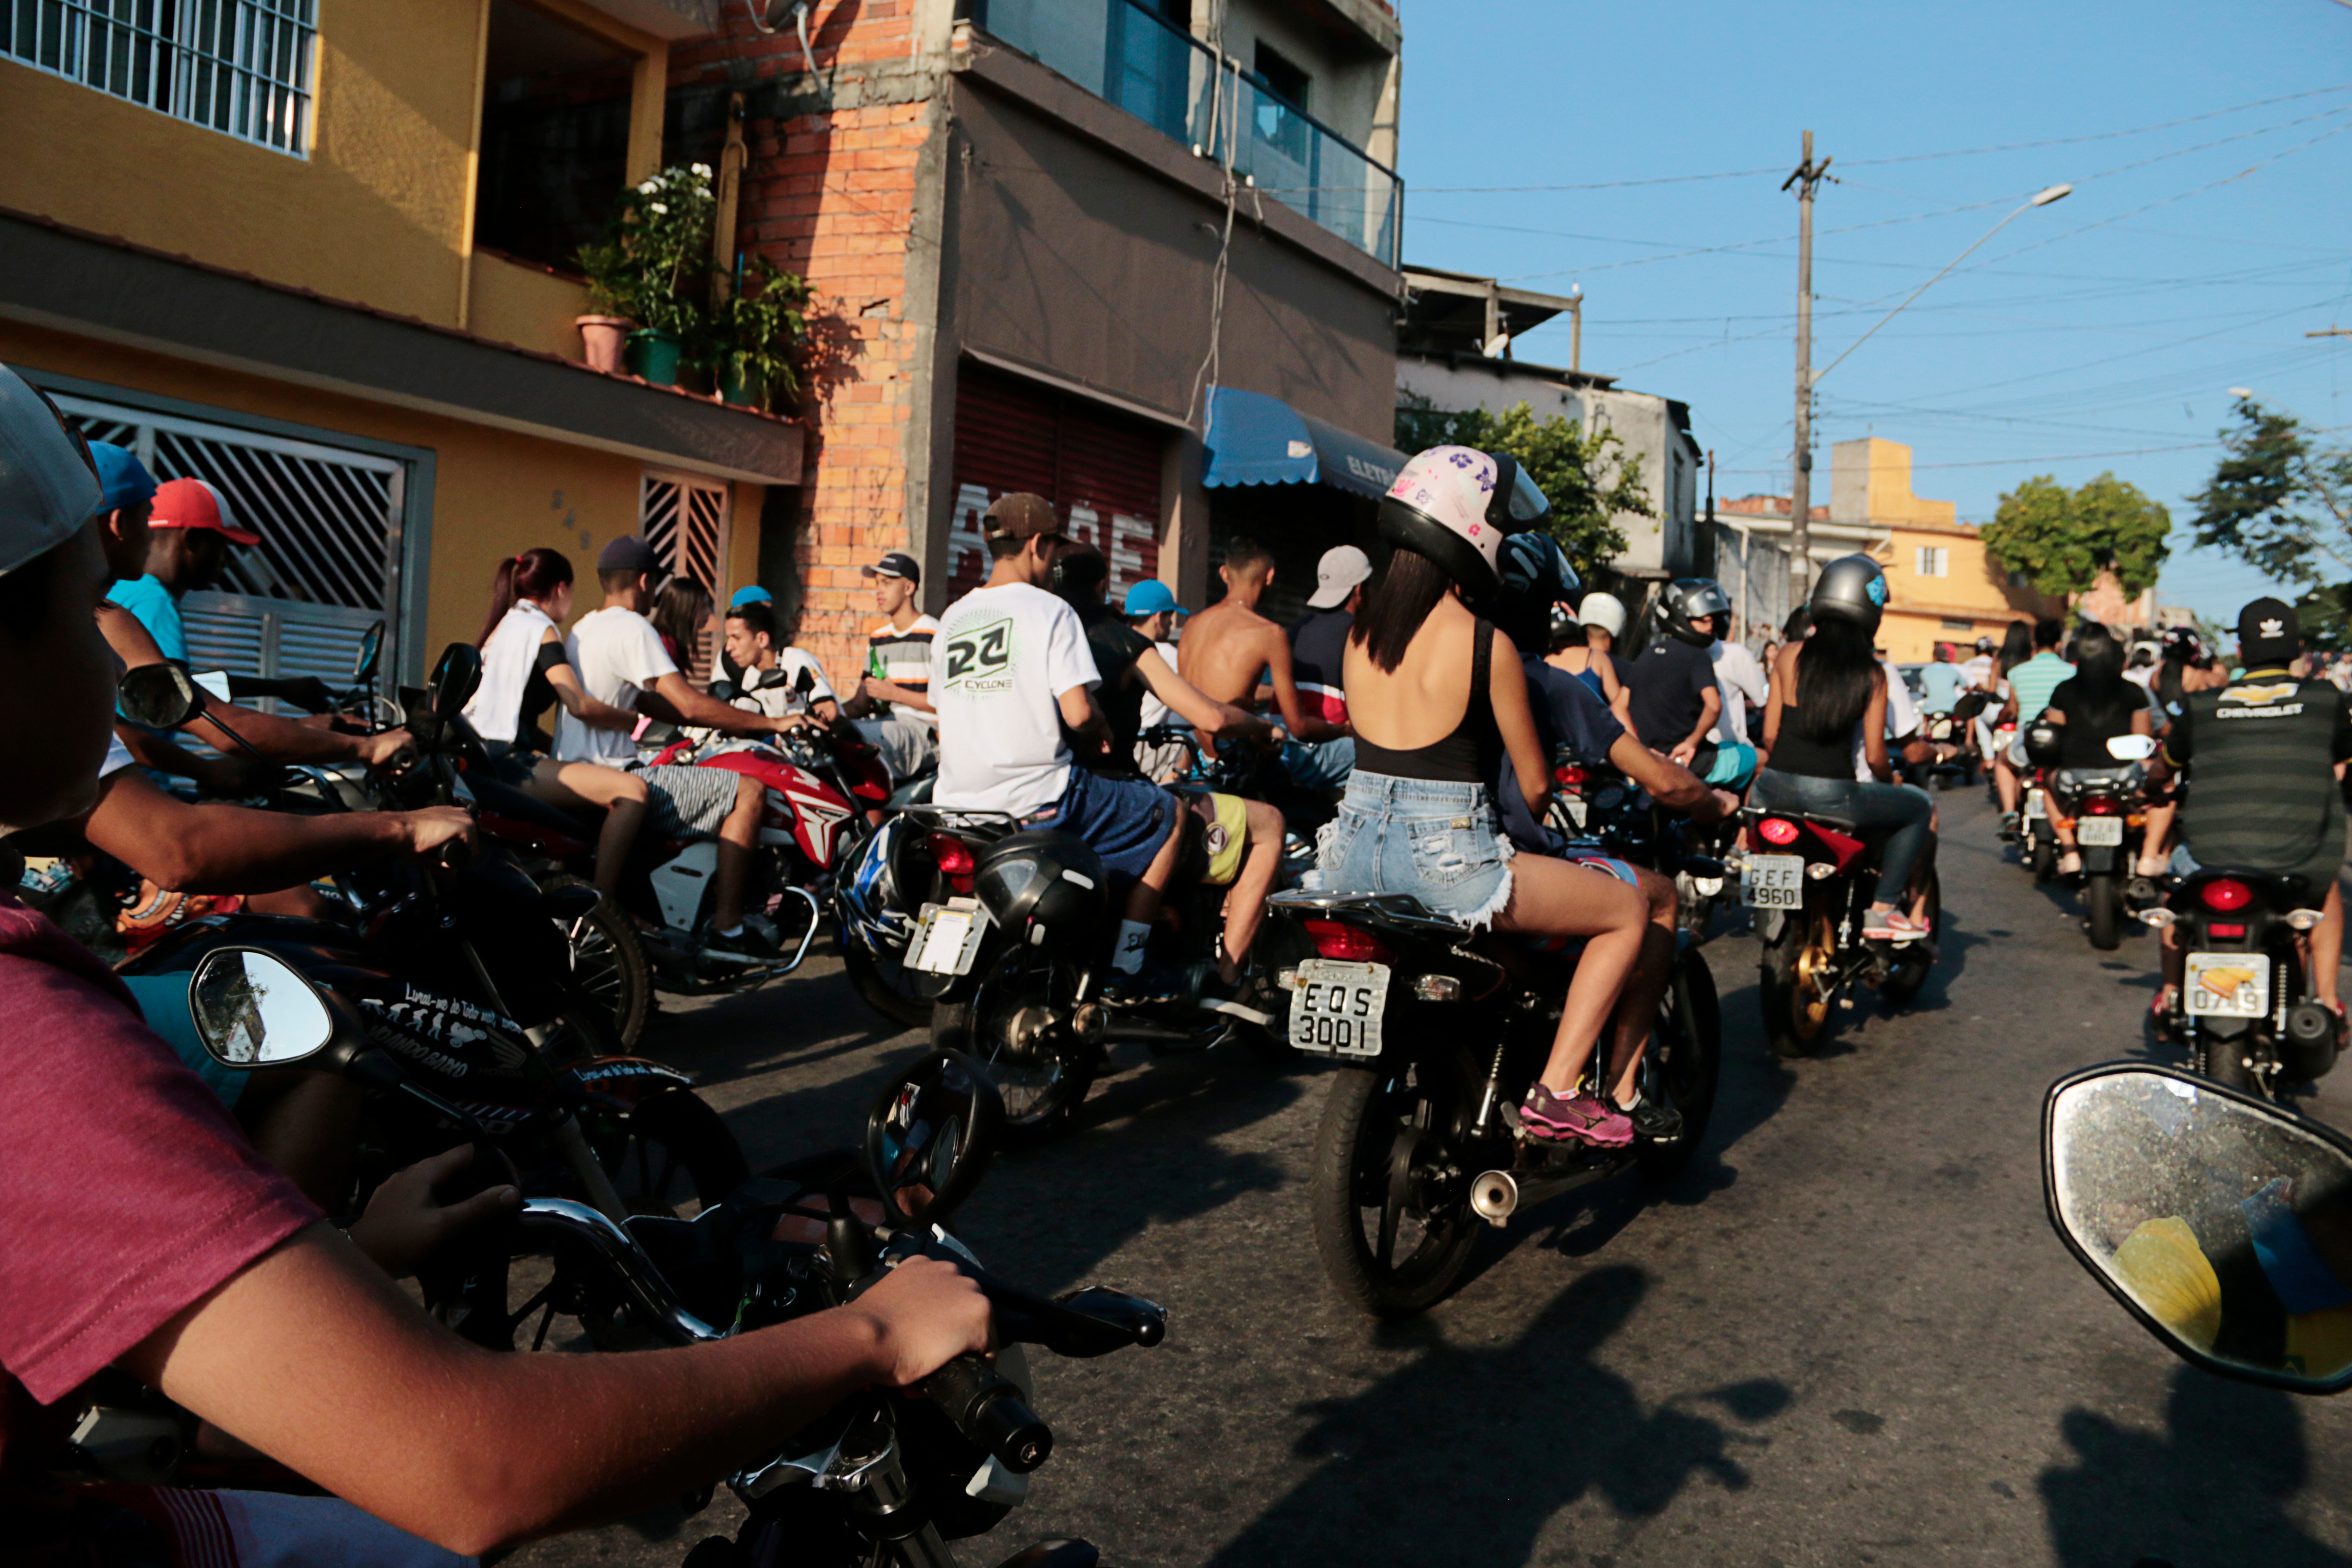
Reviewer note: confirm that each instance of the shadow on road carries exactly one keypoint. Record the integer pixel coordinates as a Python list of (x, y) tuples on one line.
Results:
[(2213, 1488), (1505, 1436)]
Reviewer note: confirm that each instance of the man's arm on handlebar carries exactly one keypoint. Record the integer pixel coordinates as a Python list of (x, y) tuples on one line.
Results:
[(1670, 784), (1196, 706), (679, 703), (278, 740), (230, 849)]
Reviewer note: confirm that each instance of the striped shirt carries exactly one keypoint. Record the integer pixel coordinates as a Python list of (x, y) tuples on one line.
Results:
[(2034, 681), (903, 658)]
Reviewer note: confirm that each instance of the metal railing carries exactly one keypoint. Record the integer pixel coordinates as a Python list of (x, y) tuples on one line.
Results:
[(240, 67), (1133, 57)]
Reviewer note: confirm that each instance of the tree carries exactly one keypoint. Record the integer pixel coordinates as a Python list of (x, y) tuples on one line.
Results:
[(2062, 539), (2282, 501), (1589, 480)]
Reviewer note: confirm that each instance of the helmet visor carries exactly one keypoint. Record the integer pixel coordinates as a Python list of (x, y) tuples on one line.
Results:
[(1528, 505)]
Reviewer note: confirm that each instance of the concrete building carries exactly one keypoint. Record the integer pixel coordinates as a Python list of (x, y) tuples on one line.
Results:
[(1451, 319)]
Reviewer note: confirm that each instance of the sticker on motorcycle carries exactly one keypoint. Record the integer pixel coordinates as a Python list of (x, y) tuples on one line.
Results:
[(2229, 986), (1772, 882), (1335, 1009)]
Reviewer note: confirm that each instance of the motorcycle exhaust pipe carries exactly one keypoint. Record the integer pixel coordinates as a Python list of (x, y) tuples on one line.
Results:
[(1492, 1197)]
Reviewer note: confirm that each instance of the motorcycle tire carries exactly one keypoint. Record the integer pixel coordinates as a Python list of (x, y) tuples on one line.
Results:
[(1039, 1096), (697, 1143), (608, 962), (1689, 1047), (878, 982), (1374, 1123), (2224, 1061), (1902, 984), (2103, 892), (1777, 984), (2044, 858)]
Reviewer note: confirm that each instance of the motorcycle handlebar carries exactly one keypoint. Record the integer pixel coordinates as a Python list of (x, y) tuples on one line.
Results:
[(987, 1407)]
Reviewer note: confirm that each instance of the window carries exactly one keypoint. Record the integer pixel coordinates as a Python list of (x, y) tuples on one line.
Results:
[(1279, 117), (555, 135), (1931, 561), (241, 66)]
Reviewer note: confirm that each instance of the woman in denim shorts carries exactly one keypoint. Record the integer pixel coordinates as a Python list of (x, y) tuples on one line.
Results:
[(1443, 696)]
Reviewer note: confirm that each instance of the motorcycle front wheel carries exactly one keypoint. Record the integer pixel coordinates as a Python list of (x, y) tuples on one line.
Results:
[(608, 965), (1390, 1200)]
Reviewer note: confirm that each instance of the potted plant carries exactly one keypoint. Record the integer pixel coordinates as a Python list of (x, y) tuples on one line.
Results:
[(746, 341), (602, 330), (646, 267)]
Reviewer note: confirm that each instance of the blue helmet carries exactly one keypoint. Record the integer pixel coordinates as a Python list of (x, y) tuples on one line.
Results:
[(1536, 575)]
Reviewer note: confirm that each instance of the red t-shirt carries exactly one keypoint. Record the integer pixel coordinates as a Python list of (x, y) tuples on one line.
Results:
[(126, 1192)]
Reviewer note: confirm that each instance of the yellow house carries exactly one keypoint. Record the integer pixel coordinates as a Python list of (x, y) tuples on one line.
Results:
[(307, 257), (1941, 586)]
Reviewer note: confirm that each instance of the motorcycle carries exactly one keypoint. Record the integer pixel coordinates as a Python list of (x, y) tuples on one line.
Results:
[(886, 1477), (2245, 1008), (2103, 809), (1594, 804), (1437, 1033), (2216, 1219), (1809, 880)]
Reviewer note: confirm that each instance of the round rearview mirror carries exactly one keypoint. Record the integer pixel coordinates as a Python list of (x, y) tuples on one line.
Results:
[(2131, 748), (254, 1010), (159, 696), (370, 653), (930, 1136), (2222, 1223), (454, 679)]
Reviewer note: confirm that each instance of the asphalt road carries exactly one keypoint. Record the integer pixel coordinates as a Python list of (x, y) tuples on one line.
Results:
[(1846, 1336)]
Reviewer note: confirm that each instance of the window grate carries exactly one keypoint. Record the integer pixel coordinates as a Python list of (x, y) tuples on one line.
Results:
[(686, 522), (240, 67)]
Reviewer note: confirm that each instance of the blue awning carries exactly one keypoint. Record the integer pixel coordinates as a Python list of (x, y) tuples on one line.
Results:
[(1255, 440)]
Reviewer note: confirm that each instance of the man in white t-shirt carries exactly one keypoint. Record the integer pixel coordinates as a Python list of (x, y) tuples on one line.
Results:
[(1739, 678), (777, 682), (621, 662), (1011, 668)]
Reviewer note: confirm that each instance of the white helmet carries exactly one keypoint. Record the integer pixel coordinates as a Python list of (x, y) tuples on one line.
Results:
[(1603, 610)]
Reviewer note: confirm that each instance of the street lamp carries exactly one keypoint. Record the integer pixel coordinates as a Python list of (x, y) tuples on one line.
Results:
[(2040, 199)]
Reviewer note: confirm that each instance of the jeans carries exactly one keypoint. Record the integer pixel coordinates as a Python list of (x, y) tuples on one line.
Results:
[(1438, 842), (1897, 810), (1324, 766)]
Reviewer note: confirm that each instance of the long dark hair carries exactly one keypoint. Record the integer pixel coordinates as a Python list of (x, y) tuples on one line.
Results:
[(2098, 662), (2016, 648), (1398, 600), (533, 574), (678, 612), (1834, 671)]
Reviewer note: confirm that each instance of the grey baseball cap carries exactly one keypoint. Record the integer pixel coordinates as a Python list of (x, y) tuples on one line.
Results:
[(48, 486)]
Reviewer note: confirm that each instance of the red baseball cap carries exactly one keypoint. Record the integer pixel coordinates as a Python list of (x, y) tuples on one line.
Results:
[(194, 503)]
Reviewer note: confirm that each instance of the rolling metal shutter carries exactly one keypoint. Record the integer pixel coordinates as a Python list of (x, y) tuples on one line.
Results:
[(1100, 469)]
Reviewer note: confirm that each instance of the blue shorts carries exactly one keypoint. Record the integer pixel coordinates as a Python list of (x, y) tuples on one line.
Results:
[(165, 999), (1124, 821), (1438, 842), (1735, 764), (1322, 766)]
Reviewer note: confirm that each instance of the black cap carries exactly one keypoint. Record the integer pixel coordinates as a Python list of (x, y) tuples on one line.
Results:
[(897, 564), (628, 553), (2268, 633)]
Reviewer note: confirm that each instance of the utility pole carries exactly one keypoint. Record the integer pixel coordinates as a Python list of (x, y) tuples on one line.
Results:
[(2331, 332), (1800, 489)]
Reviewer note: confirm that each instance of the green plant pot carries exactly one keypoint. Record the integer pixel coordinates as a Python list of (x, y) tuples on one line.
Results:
[(750, 391), (653, 354)]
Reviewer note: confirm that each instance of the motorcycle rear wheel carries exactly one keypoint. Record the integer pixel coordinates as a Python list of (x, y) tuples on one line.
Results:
[(1688, 1047), (1042, 1090), (1379, 1126), (2045, 859), (2103, 892), (1903, 983), (2224, 1061), (608, 963), (1796, 1009)]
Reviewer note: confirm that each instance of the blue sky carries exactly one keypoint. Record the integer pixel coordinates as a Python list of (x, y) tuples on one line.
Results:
[(2100, 332)]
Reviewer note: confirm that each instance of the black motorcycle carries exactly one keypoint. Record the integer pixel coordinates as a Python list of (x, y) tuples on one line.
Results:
[(1438, 1032), (2246, 1009), (1595, 806)]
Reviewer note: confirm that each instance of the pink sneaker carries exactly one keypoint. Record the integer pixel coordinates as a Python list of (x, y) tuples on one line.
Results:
[(1890, 926), (1577, 1119)]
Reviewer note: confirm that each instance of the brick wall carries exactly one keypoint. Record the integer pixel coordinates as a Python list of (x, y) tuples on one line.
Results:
[(830, 193)]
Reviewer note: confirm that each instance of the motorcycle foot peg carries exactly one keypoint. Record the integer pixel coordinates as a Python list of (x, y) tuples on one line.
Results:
[(1492, 1197)]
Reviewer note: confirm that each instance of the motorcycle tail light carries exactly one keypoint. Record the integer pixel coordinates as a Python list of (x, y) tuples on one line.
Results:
[(1777, 830), (1568, 776), (2225, 894), (954, 858), (2100, 805), (1347, 944), (2232, 932)]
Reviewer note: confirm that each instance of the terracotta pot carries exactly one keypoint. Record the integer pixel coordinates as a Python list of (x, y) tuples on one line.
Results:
[(600, 340)]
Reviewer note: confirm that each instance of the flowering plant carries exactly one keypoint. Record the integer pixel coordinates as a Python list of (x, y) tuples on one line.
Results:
[(650, 265)]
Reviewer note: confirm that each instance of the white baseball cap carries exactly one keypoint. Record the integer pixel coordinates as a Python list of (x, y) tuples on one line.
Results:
[(48, 486), (1336, 576), (1603, 610)]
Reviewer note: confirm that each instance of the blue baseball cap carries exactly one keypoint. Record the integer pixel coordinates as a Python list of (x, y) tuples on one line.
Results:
[(753, 594), (122, 479), (1149, 597)]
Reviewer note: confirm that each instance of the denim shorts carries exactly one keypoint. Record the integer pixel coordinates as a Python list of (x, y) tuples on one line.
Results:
[(1440, 843), (1124, 821)]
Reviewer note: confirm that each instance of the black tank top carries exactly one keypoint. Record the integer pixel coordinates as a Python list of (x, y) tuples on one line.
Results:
[(1465, 756), (1803, 750)]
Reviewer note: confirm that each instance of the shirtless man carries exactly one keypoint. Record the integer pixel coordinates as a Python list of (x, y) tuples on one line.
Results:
[(1228, 644)]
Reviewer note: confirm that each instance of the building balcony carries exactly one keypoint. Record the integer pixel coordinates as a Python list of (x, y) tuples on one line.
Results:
[(1131, 57)]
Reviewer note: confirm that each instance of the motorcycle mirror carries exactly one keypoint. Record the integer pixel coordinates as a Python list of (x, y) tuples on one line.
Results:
[(929, 1137), (2223, 1224), (2131, 748), (370, 653), (215, 683), (254, 1010), (159, 696), (725, 690), (454, 679)]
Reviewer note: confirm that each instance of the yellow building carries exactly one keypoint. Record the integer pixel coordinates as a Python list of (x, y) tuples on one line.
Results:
[(1941, 586), (263, 256)]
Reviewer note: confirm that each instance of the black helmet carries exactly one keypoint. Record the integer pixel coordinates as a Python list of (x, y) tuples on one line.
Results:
[(2043, 743), (1454, 505), (1536, 576), (1042, 878), (1850, 588), (1684, 601), (1566, 630)]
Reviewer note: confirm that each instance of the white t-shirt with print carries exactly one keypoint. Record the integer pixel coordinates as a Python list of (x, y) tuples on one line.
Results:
[(780, 693), (616, 653), (1740, 679), (1000, 664)]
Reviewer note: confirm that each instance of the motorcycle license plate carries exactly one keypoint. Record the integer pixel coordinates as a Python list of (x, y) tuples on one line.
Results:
[(1335, 1009), (1773, 882), (947, 937), (2035, 806), (2229, 986), (2099, 832)]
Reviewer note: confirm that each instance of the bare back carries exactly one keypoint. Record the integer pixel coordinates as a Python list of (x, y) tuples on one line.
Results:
[(1423, 699), (1225, 647)]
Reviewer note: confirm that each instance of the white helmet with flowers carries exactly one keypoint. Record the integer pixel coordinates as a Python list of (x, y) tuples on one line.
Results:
[(1454, 504)]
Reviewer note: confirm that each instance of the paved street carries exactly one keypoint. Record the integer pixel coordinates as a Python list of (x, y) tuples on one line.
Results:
[(1847, 1336)]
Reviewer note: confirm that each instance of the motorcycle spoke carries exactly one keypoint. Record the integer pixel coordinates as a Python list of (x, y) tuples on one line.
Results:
[(545, 1319)]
